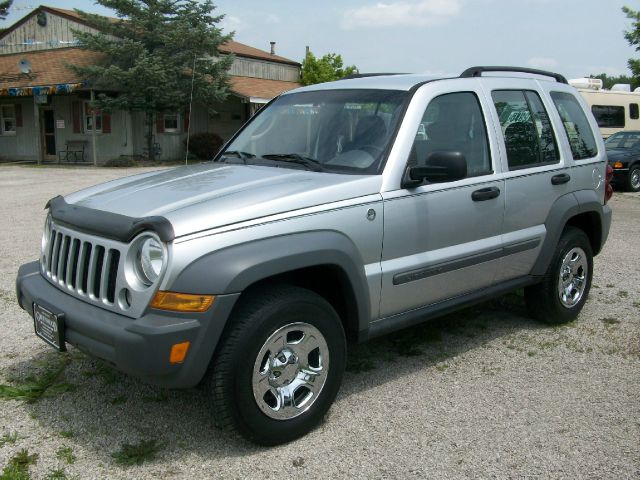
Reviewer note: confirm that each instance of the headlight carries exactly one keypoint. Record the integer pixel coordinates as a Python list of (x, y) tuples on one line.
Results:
[(149, 260)]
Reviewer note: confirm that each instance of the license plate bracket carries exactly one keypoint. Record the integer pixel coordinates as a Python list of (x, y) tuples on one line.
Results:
[(49, 327)]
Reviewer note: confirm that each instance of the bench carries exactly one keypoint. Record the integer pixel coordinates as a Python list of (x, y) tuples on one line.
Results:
[(74, 150)]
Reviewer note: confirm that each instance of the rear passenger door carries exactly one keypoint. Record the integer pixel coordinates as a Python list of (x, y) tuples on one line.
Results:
[(535, 172), (443, 239)]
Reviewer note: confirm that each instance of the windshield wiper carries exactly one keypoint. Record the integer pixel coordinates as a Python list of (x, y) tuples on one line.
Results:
[(241, 155), (310, 163)]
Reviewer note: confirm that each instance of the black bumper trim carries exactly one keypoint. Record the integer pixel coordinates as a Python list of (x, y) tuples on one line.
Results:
[(139, 347)]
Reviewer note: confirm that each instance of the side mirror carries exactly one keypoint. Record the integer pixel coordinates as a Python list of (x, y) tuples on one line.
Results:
[(440, 167)]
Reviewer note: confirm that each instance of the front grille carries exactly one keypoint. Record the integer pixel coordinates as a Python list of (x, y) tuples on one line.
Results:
[(84, 267)]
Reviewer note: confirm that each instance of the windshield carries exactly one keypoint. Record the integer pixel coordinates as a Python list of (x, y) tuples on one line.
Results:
[(623, 140), (345, 131)]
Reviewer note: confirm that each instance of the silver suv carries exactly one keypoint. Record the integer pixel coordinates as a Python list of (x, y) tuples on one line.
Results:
[(341, 211)]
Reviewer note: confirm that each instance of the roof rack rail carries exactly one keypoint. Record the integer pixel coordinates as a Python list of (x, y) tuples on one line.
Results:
[(365, 75), (477, 72)]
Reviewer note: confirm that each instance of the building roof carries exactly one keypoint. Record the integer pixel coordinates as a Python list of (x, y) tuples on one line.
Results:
[(260, 88), (242, 50), (230, 47), (48, 67)]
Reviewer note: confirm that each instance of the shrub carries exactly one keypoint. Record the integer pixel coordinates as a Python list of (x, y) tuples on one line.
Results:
[(120, 162), (205, 145)]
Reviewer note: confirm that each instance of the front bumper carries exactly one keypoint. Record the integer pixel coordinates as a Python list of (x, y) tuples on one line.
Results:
[(139, 347)]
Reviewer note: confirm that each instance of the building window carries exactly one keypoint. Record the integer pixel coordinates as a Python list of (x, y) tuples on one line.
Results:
[(171, 122), (8, 119), (88, 119)]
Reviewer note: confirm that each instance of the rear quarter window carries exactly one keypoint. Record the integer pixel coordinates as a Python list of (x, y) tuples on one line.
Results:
[(576, 126)]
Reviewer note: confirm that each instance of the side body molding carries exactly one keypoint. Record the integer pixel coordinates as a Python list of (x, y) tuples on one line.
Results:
[(233, 269), (564, 208)]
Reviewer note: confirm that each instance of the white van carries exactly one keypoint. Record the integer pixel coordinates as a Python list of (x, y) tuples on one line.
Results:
[(615, 110)]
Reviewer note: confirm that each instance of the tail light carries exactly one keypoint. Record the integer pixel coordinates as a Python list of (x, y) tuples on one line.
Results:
[(608, 189)]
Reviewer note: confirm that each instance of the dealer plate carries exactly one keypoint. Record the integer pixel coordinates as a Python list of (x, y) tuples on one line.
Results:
[(49, 327)]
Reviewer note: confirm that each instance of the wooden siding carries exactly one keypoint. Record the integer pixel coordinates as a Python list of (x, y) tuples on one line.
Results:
[(245, 67), (30, 36)]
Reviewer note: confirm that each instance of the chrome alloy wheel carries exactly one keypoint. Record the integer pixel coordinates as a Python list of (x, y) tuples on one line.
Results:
[(572, 280), (635, 179), (290, 371)]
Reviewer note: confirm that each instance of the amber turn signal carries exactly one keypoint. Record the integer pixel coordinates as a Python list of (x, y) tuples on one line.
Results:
[(179, 352), (617, 165), (182, 302)]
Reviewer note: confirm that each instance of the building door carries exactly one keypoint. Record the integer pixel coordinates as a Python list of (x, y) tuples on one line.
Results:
[(49, 134)]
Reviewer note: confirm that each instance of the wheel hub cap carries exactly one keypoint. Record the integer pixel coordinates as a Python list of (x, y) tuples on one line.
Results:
[(290, 371), (573, 277)]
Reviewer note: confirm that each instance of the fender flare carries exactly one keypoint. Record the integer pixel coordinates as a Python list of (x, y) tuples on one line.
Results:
[(561, 212), (235, 268)]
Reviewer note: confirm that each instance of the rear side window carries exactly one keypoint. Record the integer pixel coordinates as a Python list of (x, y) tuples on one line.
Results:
[(633, 111), (581, 139), (609, 116), (528, 135)]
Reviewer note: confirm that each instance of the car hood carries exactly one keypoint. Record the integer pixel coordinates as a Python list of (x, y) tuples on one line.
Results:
[(211, 195)]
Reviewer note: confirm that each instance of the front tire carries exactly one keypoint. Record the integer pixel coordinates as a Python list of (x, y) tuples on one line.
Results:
[(563, 292), (279, 366), (633, 179)]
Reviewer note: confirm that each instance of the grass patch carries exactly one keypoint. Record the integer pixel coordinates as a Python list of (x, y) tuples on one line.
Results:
[(107, 374), (8, 439), (136, 454), (18, 467), (609, 285), (118, 400), (66, 434), (57, 474), (623, 294), (610, 320), (531, 353), (46, 383), (66, 454), (159, 398), (636, 304)]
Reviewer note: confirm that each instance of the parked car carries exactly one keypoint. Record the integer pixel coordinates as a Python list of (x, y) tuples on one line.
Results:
[(623, 151), (331, 216)]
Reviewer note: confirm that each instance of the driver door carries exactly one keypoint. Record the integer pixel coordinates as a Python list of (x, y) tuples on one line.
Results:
[(443, 239)]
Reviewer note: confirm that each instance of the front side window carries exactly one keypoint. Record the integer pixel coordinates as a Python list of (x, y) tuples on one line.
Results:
[(88, 118), (608, 116), (8, 118), (576, 125), (345, 131), (453, 123), (527, 131)]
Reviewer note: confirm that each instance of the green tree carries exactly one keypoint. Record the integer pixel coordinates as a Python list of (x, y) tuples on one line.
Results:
[(149, 53), (633, 37), (326, 69), (4, 8), (610, 81)]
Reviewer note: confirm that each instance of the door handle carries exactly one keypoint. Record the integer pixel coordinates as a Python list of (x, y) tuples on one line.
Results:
[(560, 179), (485, 194)]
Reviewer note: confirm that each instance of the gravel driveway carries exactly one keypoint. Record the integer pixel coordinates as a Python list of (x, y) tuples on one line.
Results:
[(484, 393)]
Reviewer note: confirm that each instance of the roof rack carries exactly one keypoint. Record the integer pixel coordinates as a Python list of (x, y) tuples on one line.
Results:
[(477, 72), (364, 75)]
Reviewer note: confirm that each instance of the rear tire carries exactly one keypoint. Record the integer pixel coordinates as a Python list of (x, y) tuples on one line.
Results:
[(561, 295), (279, 366)]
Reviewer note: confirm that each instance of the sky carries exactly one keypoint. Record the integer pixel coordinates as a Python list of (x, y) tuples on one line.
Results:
[(572, 37)]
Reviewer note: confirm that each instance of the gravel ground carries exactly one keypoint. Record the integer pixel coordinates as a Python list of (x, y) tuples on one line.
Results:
[(485, 393)]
